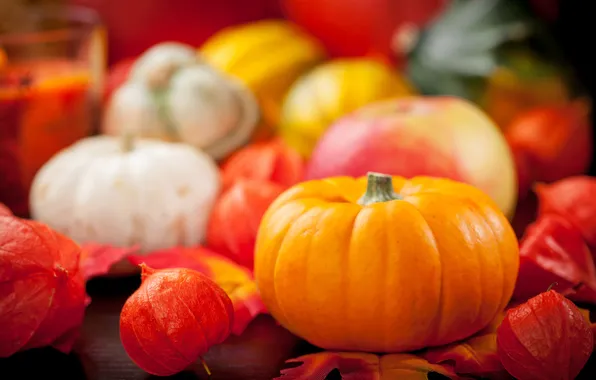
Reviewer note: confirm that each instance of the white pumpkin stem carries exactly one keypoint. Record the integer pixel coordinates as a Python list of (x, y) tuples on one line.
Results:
[(128, 143)]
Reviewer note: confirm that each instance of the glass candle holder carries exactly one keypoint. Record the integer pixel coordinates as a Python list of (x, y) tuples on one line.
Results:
[(51, 73)]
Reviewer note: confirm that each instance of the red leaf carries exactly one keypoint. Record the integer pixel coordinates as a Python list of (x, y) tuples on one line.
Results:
[(553, 251), (360, 366), (547, 337), (236, 280), (97, 259), (476, 356)]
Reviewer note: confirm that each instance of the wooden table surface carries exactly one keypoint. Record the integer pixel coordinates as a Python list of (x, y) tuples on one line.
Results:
[(258, 354)]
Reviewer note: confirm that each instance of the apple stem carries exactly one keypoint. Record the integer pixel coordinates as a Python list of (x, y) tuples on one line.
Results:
[(379, 188)]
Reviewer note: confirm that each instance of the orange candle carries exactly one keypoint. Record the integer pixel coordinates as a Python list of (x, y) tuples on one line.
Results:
[(48, 89)]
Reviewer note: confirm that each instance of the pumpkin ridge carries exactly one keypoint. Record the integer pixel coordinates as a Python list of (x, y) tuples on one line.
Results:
[(472, 214), (345, 282), (384, 274), (280, 305), (500, 253), (433, 334), (275, 254), (442, 330)]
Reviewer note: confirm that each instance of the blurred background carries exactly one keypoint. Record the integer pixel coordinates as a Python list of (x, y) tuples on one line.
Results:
[(525, 64)]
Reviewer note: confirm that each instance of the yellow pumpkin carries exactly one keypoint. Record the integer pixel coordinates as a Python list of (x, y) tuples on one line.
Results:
[(385, 264), (332, 90), (268, 56)]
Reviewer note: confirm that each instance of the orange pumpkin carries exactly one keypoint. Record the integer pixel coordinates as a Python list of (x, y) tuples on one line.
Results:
[(385, 264), (271, 160)]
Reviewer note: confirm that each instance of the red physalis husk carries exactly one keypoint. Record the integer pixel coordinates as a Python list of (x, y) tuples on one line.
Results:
[(271, 160), (235, 219), (546, 338), (361, 366), (173, 319), (236, 280), (574, 199), (100, 259), (553, 250), (42, 290), (550, 143)]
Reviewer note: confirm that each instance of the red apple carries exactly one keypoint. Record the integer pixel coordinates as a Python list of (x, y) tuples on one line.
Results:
[(436, 136)]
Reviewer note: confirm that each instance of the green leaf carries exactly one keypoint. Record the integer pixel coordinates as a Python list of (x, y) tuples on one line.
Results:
[(464, 41)]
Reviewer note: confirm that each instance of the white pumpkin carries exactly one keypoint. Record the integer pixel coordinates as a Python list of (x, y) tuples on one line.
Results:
[(153, 193), (173, 95)]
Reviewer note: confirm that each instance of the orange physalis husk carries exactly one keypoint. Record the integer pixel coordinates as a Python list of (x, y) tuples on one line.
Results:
[(236, 280), (235, 219), (271, 160), (361, 366), (547, 337), (97, 259), (475, 357), (173, 319)]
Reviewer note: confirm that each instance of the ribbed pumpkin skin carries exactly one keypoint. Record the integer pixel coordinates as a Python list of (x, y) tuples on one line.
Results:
[(429, 269)]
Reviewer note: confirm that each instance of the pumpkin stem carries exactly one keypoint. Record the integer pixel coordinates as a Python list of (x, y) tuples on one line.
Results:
[(379, 188), (205, 366), (127, 141)]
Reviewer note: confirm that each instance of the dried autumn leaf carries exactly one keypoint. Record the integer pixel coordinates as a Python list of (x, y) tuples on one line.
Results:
[(97, 259), (476, 356), (553, 250), (360, 366), (236, 280)]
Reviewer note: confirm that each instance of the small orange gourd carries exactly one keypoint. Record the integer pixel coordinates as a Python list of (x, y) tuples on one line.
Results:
[(385, 264)]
